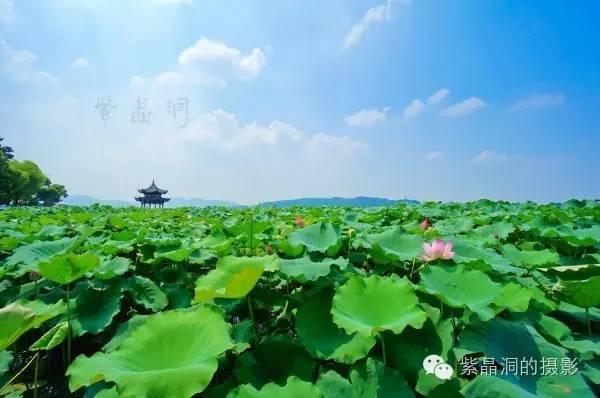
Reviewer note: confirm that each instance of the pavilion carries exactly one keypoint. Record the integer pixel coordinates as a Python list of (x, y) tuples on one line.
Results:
[(152, 196)]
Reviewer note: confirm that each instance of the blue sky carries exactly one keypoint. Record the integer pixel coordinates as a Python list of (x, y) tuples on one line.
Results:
[(422, 99)]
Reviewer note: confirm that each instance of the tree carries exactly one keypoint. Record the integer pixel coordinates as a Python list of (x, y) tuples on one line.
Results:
[(6, 174), (51, 194), (6, 150), (25, 180)]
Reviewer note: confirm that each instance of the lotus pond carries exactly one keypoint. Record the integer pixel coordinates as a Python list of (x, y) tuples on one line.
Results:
[(301, 302)]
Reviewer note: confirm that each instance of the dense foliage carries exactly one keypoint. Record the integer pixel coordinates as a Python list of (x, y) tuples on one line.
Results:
[(299, 302), (24, 183)]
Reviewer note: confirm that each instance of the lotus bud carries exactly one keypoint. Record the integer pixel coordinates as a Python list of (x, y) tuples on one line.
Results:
[(299, 221)]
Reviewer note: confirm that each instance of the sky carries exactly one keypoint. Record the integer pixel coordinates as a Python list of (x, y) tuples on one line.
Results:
[(260, 100)]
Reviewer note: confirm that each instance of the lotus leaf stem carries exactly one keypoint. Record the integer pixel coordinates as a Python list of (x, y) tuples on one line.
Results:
[(589, 323), (251, 311), (383, 351), (15, 377)]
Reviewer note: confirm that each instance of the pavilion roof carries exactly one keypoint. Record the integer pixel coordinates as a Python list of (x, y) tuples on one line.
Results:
[(152, 189)]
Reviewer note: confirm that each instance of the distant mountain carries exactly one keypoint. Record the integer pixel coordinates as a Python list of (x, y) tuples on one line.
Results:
[(196, 202), (360, 201), (85, 200)]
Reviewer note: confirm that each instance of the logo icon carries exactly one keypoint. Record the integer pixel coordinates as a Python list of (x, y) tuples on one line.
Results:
[(434, 364)]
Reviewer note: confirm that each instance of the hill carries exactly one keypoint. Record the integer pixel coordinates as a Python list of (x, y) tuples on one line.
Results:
[(360, 201)]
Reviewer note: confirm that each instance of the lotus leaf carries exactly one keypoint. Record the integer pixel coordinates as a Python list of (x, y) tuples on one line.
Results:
[(328, 341), (461, 288), (305, 269), (172, 354), (233, 277), (374, 304), (68, 268), (319, 237), (293, 388)]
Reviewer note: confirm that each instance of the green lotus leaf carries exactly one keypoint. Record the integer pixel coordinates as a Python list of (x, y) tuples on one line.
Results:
[(94, 309), (560, 334), (370, 379), (591, 371), (6, 358), (467, 253), (374, 304), (514, 297), (499, 229), (583, 236), (454, 225), (393, 246), (217, 242), (172, 354), (406, 351), (373, 379), (243, 334), (8, 243), (500, 338), (582, 293), (274, 359), (319, 237), (323, 338), (146, 293), (68, 268), (123, 332), (114, 267), (460, 288), (305, 269), (332, 385), (29, 255), (530, 259), (17, 318), (233, 277), (51, 338), (293, 388)]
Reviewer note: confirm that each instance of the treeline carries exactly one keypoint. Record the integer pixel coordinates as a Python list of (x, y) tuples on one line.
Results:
[(24, 183)]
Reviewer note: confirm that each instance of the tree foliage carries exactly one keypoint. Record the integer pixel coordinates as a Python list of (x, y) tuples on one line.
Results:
[(23, 182)]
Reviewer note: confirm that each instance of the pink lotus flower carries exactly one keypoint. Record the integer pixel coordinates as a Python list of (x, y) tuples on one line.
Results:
[(438, 249), (425, 225), (299, 221)]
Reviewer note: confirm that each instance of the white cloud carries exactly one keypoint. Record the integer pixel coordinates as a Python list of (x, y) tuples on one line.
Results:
[(535, 101), (19, 65), (465, 107), (170, 79), (489, 156), (213, 62), (80, 63), (374, 15), (365, 118), (7, 13), (208, 62), (434, 155), (438, 96), (414, 109), (223, 130)]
